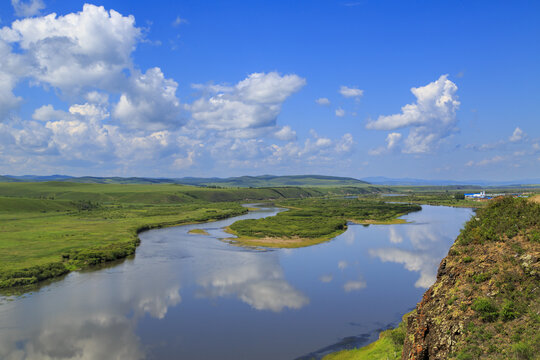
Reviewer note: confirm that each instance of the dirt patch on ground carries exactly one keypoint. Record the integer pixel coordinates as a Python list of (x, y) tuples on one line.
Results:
[(198, 232), (535, 198)]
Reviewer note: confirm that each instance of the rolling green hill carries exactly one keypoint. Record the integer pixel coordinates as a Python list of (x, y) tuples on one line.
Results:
[(243, 181), (271, 180)]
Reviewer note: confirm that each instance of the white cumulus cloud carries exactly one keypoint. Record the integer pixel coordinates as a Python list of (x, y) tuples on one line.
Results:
[(351, 92), (80, 50), (517, 135), (285, 133), (254, 102), (392, 141), (431, 118), (149, 102), (323, 101)]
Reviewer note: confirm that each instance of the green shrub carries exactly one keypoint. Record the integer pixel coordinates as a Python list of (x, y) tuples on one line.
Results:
[(397, 336), (480, 278), (486, 309), (508, 311), (467, 259), (469, 353), (534, 236), (523, 350)]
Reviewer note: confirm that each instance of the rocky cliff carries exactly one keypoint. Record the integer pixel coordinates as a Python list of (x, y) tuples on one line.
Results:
[(485, 303)]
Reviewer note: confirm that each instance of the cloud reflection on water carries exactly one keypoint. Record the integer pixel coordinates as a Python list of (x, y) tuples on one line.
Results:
[(254, 279), (428, 248), (83, 324)]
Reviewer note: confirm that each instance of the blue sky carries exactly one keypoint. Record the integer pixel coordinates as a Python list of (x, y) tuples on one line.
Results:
[(437, 90)]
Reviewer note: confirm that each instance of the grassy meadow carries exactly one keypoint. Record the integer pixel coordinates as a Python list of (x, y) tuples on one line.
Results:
[(50, 228), (311, 221), (40, 239)]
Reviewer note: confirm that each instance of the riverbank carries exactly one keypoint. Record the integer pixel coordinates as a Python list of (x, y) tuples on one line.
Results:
[(277, 242), (198, 231), (56, 243)]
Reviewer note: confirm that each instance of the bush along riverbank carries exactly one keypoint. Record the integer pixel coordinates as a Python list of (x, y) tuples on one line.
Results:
[(312, 221), (485, 303)]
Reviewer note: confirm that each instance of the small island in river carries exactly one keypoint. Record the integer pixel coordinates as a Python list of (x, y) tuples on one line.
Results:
[(313, 221)]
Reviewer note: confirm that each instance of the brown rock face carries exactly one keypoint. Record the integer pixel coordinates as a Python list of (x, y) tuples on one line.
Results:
[(429, 337), (485, 303)]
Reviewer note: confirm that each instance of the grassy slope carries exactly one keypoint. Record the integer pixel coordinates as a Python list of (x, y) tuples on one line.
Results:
[(166, 193), (145, 194), (312, 221)]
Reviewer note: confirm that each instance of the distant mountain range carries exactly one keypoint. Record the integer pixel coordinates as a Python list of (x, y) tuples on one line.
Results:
[(268, 181), (381, 180), (242, 181), (271, 180)]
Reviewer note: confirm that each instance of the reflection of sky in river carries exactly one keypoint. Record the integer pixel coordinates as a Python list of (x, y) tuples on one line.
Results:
[(193, 297)]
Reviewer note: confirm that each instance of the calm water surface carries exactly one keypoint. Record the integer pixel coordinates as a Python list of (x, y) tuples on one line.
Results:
[(194, 297)]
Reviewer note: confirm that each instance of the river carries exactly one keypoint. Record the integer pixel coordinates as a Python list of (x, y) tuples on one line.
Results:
[(187, 296)]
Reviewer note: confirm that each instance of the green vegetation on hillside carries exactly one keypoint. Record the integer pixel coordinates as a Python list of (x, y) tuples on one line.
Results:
[(146, 194), (486, 301), (311, 221)]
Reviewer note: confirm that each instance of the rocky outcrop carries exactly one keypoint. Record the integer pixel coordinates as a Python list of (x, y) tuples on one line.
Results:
[(485, 302)]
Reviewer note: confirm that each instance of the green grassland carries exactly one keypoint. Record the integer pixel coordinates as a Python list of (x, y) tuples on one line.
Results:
[(166, 193), (311, 221), (144, 194), (41, 238), (50, 228)]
